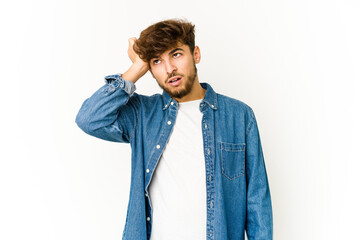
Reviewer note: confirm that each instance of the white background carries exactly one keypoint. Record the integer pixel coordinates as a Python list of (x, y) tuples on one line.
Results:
[(295, 62)]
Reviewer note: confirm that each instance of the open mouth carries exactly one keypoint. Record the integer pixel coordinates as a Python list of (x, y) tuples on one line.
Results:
[(174, 80)]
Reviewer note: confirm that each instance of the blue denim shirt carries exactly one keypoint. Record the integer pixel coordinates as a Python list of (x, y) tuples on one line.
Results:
[(238, 196)]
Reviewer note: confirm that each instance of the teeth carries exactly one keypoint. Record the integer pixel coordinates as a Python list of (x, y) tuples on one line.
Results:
[(176, 79)]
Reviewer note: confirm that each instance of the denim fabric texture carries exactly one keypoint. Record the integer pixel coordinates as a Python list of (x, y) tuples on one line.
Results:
[(238, 194)]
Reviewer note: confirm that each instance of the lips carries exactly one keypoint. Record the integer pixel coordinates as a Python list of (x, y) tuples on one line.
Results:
[(175, 81)]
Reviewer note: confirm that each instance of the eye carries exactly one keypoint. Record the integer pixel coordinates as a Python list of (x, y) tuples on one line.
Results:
[(177, 54), (156, 61)]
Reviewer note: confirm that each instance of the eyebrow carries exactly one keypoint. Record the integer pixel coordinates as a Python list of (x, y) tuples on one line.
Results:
[(176, 49), (171, 52)]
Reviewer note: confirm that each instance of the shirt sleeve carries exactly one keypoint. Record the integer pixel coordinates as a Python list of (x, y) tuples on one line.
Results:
[(111, 112), (259, 220), (116, 81)]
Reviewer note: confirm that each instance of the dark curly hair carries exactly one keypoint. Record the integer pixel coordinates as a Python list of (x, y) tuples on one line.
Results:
[(164, 35)]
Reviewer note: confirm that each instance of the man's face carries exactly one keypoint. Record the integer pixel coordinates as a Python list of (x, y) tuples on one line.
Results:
[(175, 70)]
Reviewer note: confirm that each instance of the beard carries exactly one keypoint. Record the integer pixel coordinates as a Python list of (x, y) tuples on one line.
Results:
[(183, 91)]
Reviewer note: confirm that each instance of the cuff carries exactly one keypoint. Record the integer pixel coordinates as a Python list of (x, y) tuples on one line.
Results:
[(116, 81)]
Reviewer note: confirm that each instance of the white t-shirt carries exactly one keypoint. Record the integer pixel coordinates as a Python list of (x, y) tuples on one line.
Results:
[(178, 187)]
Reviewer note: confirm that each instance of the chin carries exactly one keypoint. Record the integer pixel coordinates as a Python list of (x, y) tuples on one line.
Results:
[(179, 93)]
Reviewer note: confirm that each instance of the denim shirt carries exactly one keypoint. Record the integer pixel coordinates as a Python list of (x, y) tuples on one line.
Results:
[(237, 189)]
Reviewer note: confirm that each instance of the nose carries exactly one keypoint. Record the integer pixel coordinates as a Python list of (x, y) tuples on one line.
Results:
[(170, 67)]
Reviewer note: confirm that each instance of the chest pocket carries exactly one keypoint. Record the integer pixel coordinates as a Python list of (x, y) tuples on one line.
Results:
[(232, 159)]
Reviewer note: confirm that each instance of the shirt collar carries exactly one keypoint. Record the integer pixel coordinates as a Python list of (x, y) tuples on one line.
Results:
[(210, 98)]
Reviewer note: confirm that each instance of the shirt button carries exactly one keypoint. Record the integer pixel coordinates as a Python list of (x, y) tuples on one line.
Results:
[(208, 151), (169, 122), (212, 106), (166, 105), (205, 126), (148, 219), (211, 204), (157, 146), (172, 103), (209, 178), (147, 170), (146, 195)]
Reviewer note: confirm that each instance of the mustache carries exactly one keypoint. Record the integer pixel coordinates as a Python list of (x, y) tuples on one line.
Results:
[(173, 74)]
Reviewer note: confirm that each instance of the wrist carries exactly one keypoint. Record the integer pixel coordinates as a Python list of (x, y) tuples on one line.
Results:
[(135, 72)]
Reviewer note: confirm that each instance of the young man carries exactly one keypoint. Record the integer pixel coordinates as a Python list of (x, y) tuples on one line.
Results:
[(197, 167)]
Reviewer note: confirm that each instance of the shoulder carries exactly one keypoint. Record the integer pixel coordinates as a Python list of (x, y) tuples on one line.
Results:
[(147, 101), (235, 110), (230, 103), (146, 98)]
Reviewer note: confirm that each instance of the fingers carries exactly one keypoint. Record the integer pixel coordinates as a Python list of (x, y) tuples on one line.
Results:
[(131, 53), (132, 41), (131, 46)]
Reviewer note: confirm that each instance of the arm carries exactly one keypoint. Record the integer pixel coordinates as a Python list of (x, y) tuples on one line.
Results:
[(108, 114), (111, 113), (259, 222)]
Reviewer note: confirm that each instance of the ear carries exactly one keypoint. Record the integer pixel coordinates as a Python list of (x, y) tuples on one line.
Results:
[(196, 54)]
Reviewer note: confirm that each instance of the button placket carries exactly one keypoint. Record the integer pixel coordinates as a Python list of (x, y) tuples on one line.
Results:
[(209, 155)]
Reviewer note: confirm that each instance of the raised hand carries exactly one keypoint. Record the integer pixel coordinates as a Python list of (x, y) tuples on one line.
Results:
[(138, 68)]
